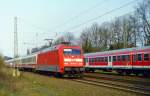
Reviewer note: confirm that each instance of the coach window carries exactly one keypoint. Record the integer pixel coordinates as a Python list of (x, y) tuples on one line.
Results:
[(128, 57), (90, 60), (123, 58), (103, 59), (106, 59), (146, 57), (109, 58), (134, 57), (97, 59), (119, 58), (114, 58), (139, 57), (85, 60)]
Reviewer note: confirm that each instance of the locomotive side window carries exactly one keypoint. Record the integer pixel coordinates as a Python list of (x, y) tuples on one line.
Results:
[(114, 58), (146, 57), (139, 57)]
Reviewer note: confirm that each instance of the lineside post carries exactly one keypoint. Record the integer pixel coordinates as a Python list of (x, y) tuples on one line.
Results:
[(16, 72)]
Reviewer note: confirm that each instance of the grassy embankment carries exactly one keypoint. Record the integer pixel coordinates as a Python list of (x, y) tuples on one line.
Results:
[(7, 81), (32, 84)]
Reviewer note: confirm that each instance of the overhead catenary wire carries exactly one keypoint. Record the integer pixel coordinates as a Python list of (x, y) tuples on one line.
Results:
[(90, 20), (71, 19), (82, 13), (100, 16)]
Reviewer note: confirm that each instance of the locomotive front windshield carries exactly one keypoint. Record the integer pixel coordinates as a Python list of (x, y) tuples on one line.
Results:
[(72, 51)]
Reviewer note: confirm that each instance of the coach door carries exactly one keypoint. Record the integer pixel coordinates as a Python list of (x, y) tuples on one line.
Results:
[(110, 61), (86, 61)]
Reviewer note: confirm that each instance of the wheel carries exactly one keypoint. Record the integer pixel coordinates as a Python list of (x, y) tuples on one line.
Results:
[(128, 73), (120, 72), (137, 74), (92, 70), (58, 75), (145, 74)]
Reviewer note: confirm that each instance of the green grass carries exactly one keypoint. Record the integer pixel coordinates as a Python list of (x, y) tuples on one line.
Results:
[(6, 80), (31, 84)]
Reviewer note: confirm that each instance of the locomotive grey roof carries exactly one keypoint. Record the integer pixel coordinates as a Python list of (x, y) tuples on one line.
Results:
[(119, 50)]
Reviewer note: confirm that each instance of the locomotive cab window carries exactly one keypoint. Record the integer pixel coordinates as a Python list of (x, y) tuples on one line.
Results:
[(72, 52)]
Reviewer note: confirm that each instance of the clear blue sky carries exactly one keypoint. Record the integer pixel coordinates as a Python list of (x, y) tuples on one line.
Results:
[(42, 17)]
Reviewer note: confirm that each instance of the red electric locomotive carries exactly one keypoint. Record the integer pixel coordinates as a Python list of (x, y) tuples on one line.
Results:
[(60, 59), (124, 61)]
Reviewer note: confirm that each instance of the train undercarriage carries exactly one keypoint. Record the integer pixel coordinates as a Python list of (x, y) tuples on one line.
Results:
[(123, 71)]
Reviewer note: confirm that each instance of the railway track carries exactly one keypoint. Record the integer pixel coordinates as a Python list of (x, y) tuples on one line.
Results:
[(126, 79), (134, 89)]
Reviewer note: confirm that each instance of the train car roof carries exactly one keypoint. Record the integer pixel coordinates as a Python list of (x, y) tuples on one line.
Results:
[(119, 50), (27, 56), (53, 48), (42, 51)]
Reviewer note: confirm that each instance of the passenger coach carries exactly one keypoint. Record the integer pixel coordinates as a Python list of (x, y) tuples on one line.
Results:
[(60, 59), (124, 61)]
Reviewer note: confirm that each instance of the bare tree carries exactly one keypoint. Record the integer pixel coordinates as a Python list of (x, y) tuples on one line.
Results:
[(143, 10), (116, 34), (85, 41), (69, 37), (126, 31), (59, 40)]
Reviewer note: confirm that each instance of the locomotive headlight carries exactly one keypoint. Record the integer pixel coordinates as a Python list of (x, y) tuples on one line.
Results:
[(79, 60), (72, 60), (67, 60)]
